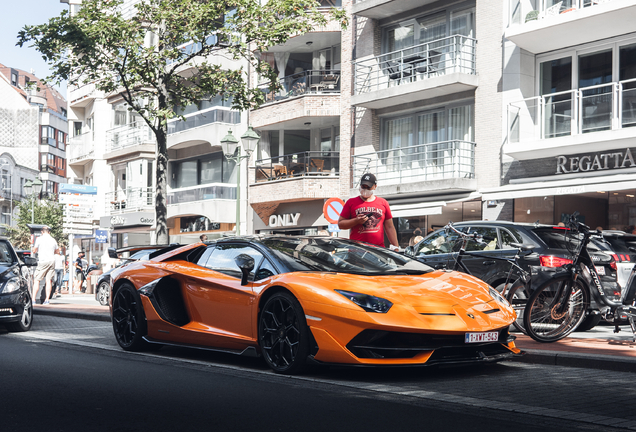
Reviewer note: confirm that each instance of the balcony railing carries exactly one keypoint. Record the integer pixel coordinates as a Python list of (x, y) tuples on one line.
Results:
[(423, 162), (128, 135), (202, 193), (203, 118), (590, 109), (523, 11), (302, 83), (80, 147), (419, 62), (297, 165), (82, 92), (130, 199)]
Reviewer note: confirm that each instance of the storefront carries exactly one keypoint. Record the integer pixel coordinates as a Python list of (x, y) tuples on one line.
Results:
[(129, 229), (601, 186), (188, 229), (294, 218)]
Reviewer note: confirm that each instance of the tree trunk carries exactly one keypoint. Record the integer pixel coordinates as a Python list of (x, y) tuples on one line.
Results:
[(162, 185)]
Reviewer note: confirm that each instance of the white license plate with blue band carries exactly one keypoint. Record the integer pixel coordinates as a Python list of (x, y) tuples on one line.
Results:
[(481, 337)]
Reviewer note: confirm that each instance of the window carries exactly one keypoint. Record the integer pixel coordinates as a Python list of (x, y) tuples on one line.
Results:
[(265, 270), (77, 128), (439, 243), (487, 242), (507, 238), (14, 79), (64, 112), (222, 259), (213, 168)]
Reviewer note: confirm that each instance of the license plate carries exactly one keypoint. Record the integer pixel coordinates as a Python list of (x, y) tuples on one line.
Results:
[(600, 270), (481, 337)]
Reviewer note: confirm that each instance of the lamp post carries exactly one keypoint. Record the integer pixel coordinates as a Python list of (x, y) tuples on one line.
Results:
[(232, 151), (36, 186)]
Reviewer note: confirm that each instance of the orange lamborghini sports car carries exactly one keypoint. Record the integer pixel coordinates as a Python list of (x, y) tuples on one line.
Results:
[(294, 300)]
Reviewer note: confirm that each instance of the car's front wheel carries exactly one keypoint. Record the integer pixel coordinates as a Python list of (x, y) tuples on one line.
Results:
[(102, 293), (129, 321), (26, 320), (284, 334)]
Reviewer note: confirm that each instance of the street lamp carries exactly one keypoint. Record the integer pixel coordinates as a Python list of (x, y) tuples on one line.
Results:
[(36, 186), (232, 151)]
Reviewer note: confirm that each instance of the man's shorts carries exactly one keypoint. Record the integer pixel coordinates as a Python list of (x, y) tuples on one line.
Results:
[(79, 275), (45, 270)]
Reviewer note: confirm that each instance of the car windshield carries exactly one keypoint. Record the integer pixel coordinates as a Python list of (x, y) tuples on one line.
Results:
[(6, 255), (344, 256)]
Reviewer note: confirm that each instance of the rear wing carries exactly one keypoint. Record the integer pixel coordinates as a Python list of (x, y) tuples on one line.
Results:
[(161, 249)]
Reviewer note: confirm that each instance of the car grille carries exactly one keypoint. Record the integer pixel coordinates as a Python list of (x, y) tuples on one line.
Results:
[(399, 345)]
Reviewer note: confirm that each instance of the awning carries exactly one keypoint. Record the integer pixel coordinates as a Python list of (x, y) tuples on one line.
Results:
[(561, 187), (421, 209)]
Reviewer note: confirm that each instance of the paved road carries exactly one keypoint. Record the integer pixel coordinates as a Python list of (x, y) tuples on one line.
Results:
[(535, 396)]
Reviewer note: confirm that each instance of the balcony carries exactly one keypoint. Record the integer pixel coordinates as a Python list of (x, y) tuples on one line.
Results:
[(541, 26), (127, 136), (304, 97), (82, 96), (80, 149), (438, 68), (201, 126), (445, 165), (202, 193), (298, 176), (378, 9), (587, 119), (130, 200)]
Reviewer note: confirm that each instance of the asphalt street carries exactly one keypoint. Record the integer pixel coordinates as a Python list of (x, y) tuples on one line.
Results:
[(70, 374)]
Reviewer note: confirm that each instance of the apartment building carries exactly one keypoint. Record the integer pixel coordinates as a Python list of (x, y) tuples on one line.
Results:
[(33, 135), (569, 98)]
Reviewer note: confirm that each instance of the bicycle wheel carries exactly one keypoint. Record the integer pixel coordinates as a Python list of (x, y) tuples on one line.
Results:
[(517, 296), (546, 318)]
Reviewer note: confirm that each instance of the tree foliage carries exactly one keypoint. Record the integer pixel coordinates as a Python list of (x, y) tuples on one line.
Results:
[(145, 54), (45, 212)]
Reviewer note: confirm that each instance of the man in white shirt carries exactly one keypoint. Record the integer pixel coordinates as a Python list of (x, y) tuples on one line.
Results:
[(60, 264), (45, 247)]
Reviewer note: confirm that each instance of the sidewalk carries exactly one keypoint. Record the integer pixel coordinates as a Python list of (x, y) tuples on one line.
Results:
[(599, 348)]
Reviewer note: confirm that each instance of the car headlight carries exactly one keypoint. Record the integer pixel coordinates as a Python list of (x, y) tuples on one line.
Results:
[(497, 296), (12, 285), (367, 302)]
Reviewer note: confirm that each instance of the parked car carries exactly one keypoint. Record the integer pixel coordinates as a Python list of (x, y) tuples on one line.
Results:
[(299, 299), (551, 250), (102, 293), (618, 244), (16, 306)]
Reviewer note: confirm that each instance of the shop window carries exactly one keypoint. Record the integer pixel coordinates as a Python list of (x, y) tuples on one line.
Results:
[(534, 209), (197, 223)]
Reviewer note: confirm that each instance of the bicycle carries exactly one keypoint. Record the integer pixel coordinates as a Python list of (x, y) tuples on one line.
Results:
[(517, 292), (558, 306)]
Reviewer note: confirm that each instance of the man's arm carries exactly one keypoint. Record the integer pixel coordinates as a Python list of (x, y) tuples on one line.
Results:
[(350, 223), (389, 229)]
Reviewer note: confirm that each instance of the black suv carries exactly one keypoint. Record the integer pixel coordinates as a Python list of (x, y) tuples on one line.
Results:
[(551, 249)]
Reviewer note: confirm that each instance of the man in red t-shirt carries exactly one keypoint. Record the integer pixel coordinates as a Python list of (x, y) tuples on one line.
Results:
[(368, 216)]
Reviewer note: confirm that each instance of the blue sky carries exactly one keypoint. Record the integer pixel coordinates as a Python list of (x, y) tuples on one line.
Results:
[(12, 20)]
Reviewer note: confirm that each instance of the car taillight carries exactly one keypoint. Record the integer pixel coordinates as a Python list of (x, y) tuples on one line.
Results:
[(613, 265), (615, 257), (627, 258), (553, 261)]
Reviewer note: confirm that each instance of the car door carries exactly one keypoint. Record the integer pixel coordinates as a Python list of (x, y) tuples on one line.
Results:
[(485, 266), (217, 299)]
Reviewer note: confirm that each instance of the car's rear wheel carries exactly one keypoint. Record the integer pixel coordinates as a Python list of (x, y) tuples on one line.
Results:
[(102, 293), (284, 334), (26, 320), (129, 321)]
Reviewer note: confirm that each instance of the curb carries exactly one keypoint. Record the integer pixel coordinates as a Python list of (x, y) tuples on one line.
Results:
[(65, 313), (570, 359)]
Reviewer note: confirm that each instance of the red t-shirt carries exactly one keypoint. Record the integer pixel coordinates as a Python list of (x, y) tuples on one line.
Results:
[(372, 231)]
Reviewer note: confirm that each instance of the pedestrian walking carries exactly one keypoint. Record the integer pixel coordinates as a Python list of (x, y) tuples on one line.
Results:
[(79, 273), (60, 264), (368, 216), (46, 247)]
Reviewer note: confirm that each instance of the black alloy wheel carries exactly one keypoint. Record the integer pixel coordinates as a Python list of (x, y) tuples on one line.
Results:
[(102, 293), (26, 320), (284, 334), (129, 322)]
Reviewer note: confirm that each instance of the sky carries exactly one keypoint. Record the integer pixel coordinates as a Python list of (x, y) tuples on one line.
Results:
[(12, 20)]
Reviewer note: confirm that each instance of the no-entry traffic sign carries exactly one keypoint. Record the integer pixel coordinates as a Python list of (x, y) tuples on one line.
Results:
[(332, 209)]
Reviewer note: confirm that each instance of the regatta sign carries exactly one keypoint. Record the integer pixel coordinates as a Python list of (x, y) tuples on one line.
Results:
[(595, 162)]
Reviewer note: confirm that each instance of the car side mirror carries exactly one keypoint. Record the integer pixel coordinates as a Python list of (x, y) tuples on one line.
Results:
[(112, 253), (30, 261), (246, 264)]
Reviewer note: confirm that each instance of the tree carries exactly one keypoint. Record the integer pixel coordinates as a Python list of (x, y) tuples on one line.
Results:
[(142, 57), (46, 211)]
